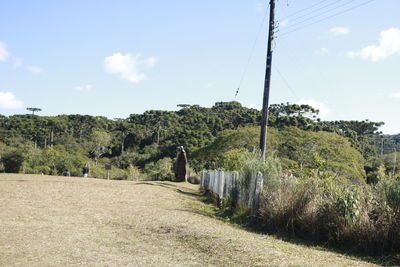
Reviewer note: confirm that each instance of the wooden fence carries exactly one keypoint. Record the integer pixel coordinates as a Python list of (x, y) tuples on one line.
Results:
[(228, 185)]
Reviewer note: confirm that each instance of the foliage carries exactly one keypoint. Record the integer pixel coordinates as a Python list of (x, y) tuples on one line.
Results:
[(301, 152), (160, 170), (214, 138), (13, 160), (98, 144), (270, 168), (359, 217), (233, 159)]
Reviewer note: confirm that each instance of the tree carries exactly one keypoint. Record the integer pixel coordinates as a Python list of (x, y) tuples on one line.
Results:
[(13, 160), (34, 110), (122, 126), (99, 144)]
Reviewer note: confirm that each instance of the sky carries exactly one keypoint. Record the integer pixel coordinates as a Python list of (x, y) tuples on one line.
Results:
[(115, 58)]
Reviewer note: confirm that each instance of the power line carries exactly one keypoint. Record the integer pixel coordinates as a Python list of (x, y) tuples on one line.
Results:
[(306, 8), (251, 53), (285, 81), (318, 15), (321, 8), (313, 11), (326, 18)]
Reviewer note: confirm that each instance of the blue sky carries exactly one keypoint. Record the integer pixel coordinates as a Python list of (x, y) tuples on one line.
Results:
[(114, 58)]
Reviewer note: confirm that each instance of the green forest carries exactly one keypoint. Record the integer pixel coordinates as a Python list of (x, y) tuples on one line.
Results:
[(214, 138)]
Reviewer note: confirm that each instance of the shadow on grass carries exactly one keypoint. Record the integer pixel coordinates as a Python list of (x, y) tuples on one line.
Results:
[(242, 219), (209, 206), (174, 187)]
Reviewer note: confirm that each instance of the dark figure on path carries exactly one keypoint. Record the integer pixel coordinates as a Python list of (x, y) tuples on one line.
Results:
[(180, 165), (66, 173), (85, 171)]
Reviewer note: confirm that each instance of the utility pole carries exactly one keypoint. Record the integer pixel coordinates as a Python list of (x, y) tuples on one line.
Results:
[(267, 82)]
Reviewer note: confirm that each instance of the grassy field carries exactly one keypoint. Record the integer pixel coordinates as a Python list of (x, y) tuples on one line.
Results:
[(57, 221)]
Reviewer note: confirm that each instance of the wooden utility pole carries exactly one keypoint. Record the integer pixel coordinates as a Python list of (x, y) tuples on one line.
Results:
[(267, 82)]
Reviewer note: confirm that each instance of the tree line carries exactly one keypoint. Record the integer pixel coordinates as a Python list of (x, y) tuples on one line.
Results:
[(147, 142)]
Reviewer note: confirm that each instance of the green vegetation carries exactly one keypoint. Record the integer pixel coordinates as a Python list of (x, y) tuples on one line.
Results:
[(320, 207), (214, 138)]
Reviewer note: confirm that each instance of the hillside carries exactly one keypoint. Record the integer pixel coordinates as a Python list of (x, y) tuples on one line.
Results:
[(49, 220)]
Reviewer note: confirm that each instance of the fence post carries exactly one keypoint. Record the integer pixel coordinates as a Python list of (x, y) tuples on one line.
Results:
[(202, 178), (252, 185), (227, 184), (257, 193), (235, 191), (207, 182), (221, 184), (212, 178)]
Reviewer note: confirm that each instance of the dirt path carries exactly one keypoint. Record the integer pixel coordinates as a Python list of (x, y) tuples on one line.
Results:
[(57, 221)]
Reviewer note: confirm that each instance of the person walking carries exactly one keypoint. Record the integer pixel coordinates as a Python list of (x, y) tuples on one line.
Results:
[(85, 171)]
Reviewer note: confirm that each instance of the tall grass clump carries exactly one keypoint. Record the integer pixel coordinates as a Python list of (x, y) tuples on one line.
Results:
[(270, 168), (335, 211)]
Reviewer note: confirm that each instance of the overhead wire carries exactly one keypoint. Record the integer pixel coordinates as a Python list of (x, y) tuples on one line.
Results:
[(322, 9), (312, 11), (285, 81), (251, 53), (323, 19), (310, 61), (306, 8), (317, 15)]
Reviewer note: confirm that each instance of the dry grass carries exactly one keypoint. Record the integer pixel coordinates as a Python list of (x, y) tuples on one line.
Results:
[(59, 221)]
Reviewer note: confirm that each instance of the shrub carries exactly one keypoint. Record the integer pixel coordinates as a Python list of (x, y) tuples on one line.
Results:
[(253, 163), (233, 159), (13, 161), (160, 170), (336, 212)]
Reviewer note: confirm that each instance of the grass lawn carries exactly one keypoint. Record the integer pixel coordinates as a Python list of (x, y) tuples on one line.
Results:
[(58, 221)]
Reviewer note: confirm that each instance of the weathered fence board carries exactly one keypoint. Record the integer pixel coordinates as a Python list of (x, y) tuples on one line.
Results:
[(226, 185)]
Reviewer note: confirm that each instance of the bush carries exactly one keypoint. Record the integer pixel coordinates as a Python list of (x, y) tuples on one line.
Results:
[(13, 161), (160, 170), (336, 212), (253, 163), (233, 159)]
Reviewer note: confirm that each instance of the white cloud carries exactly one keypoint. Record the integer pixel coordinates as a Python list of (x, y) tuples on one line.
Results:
[(4, 54), (339, 31), (324, 111), (321, 51), (35, 69), (389, 44), (85, 88), (127, 66), (395, 95), (8, 101), (17, 62)]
